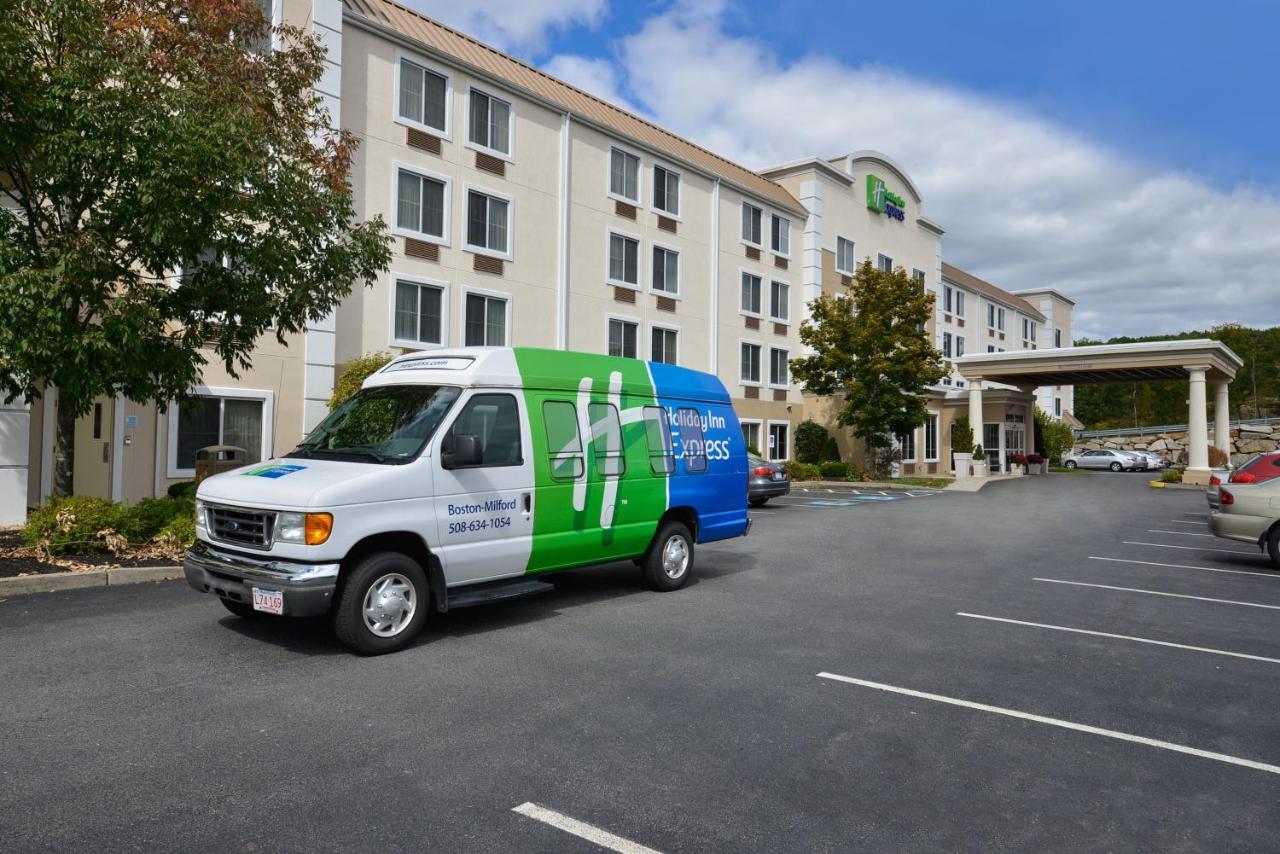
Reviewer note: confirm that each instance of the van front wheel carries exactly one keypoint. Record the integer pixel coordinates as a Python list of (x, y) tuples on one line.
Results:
[(383, 604), (669, 562)]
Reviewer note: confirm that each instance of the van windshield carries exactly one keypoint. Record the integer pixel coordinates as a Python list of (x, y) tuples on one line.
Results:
[(388, 424)]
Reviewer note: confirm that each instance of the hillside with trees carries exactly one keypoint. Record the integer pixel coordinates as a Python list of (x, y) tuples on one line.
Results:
[(1255, 392)]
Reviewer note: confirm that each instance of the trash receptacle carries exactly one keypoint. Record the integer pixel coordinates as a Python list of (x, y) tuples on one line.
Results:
[(215, 459)]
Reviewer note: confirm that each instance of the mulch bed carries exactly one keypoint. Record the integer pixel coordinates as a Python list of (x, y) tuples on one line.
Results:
[(17, 559)]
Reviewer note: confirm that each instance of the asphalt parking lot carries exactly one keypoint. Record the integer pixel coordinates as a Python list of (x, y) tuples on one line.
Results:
[(1055, 663)]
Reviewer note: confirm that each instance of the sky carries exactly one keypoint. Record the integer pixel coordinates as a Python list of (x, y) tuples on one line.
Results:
[(1126, 152)]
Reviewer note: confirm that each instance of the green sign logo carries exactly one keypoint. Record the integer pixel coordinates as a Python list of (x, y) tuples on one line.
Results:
[(881, 200)]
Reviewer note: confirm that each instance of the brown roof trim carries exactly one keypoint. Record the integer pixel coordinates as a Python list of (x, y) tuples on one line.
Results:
[(519, 76), (968, 280)]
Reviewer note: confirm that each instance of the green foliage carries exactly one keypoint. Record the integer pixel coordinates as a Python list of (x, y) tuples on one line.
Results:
[(811, 441), (926, 482), (836, 470), (149, 516), (1171, 476), (961, 434), (80, 526), (354, 373), (139, 138), (180, 533), (803, 471), (878, 356), (752, 449), (1053, 438), (830, 450), (979, 455), (182, 489)]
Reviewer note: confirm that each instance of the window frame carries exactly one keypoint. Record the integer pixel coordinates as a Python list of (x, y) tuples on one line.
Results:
[(638, 284), (776, 385), (665, 327), (1057, 338), (509, 100), (266, 396), (439, 70), (610, 319), (489, 294), (638, 201), (653, 205), (759, 244), (781, 253), (768, 434), (420, 282), (774, 317), (959, 304), (947, 339), (552, 456), (668, 248), (460, 409), (759, 345), (447, 208), (934, 418), (467, 246), (742, 271), (898, 439), (853, 249), (758, 423), (884, 263), (959, 346)]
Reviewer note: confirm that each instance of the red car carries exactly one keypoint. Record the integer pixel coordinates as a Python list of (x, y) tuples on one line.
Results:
[(1261, 468)]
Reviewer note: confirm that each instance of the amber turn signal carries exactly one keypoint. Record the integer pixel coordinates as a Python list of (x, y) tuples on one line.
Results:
[(319, 526)]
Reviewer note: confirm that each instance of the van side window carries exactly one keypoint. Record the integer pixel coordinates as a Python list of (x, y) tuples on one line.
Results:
[(606, 439), (494, 419), (563, 442), (657, 433), (692, 446)]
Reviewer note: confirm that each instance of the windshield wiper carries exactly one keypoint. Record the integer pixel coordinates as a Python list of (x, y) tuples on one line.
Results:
[(366, 450)]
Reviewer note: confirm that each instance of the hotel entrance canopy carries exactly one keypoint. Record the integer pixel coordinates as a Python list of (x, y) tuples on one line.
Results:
[(1197, 360)]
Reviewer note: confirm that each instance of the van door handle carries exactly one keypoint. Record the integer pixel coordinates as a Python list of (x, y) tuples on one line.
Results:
[(528, 503)]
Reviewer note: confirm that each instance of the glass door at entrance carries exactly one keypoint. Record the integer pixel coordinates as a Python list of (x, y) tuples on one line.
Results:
[(991, 446)]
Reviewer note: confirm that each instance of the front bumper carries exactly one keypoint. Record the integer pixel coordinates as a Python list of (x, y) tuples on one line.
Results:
[(307, 587), (1239, 526)]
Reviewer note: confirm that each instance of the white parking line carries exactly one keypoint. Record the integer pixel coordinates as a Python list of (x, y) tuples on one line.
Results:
[(1179, 533), (1058, 722), (1190, 548), (1121, 637), (1272, 575), (582, 830), (1159, 593), (1186, 521)]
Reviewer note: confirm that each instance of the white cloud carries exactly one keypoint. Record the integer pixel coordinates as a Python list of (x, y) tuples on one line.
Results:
[(512, 25), (1026, 202)]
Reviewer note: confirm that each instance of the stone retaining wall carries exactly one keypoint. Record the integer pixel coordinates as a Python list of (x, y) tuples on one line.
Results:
[(1245, 442)]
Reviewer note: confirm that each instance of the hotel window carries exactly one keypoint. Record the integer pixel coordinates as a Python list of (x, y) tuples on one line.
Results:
[(1057, 406), (907, 444), (420, 204), (959, 303), (624, 175), (490, 125), (749, 363), (931, 438), (487, 223), (778, 441), (419, 313), (752, 218), (623, 335), (665, 345), (885, 263), (666, 191), (917, 276), (1000, 319), (423, 97), (206, 421), (991, 348), (780, 235), (666, 271), (959, 346), (995, 317), (751, 436), (751, 293), (485, 323), (624, 260), (779, 367), (1057, 338), (780, 301), (946, 345), (845, 261), (948, 297)]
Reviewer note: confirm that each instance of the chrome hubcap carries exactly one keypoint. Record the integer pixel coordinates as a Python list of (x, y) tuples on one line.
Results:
[(675, 557), (389, 605)]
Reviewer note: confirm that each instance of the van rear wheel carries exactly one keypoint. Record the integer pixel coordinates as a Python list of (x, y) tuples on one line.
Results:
[(669, 562), (1273, 546), (383, 604)]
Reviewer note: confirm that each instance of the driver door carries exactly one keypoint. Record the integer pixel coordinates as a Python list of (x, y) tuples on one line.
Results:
[(484, 505)]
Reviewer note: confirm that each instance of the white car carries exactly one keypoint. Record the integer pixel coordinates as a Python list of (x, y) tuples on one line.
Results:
[(1105, 458)]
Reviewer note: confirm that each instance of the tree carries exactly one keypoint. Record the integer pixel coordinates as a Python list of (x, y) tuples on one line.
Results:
[(139, 138), (354, 373), (1055, 437), (872, 348), (811, 441)]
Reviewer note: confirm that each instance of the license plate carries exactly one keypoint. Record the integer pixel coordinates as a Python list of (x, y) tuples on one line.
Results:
[(271, 601), (777, 475)]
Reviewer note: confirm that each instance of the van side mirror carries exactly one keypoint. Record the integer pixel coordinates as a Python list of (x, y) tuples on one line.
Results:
[(460, 450)]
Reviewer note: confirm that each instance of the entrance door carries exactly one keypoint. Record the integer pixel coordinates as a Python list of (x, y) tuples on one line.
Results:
[(91, 474), (484, 509), (991, 446), (779, 434)]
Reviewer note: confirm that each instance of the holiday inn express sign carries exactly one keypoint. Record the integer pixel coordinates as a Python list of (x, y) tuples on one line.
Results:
[(881, 200)]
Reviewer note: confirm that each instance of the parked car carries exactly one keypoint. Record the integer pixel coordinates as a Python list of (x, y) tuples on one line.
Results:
[(1105, 459), (1250, 513), (1259, 469), (1155, 462), (1217, 477), (766, 480)]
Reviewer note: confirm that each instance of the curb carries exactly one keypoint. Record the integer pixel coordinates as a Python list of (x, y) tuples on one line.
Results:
[(1160, 484), (55, 581)]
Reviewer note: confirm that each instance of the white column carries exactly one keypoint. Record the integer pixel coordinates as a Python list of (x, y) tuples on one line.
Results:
[(1221, 419), (1197, 429), (1031, 423), (975, 410)]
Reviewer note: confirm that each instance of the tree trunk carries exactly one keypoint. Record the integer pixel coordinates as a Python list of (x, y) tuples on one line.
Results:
[(64, 451)]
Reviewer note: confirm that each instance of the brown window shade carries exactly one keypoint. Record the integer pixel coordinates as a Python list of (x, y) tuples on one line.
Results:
[(421, 249), (752, 322), (666, 304), (846, 281), (624, 209), (779, 262), (487, 264), (422, 141), (666, 223), (753, 253), (960, 322), (489, 163), (624, 295), (751, 393), (1001, 336), (779, 329), (779, 394)]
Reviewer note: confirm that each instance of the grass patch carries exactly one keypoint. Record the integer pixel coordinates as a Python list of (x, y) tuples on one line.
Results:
[(1065, 470), (927, 482)]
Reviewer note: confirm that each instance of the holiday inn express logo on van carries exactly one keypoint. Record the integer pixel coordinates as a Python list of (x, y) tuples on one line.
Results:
[(881, 200)]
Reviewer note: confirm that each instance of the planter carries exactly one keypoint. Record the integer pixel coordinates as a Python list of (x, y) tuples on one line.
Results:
[(964, 465), (1044, 467), (979, 468), (1016, 470)]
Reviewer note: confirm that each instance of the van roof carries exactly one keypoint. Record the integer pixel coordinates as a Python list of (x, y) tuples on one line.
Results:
[(559, 370)]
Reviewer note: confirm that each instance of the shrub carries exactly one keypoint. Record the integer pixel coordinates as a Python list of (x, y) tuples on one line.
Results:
[(73, 525), (179, 534), (182, 489), (1035, 459), (1217, 457), (811, 438), (830, 450), (1019, 459), (803, 471), (835, 470), (1171, 476), (961, 434), (979, 454), (753, 450), (1055, 437), (354, 373)]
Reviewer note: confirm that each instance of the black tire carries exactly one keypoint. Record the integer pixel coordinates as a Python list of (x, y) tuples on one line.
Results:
[(1069, 464), (656, 574), (1273, 546), (348, 614), (1117, 467), (758, 502), (240, 609)]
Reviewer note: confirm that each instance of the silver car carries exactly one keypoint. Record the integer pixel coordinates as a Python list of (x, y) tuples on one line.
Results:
[(1105, 458), (1249, 513), (1155, 462)]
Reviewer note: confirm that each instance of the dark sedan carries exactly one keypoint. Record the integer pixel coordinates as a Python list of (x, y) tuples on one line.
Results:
[(766, 480)]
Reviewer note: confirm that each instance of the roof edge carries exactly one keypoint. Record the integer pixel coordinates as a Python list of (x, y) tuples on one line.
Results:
[(1025, 292), (889, 163)]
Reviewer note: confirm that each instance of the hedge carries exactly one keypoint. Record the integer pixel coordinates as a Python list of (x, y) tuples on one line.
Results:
[(83, 526)]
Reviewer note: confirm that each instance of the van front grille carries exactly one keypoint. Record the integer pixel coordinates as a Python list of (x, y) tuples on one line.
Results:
[(251, 528)]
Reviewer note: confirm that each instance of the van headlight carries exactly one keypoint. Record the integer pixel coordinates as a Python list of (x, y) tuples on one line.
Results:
[(199, 515), (311, 529)]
